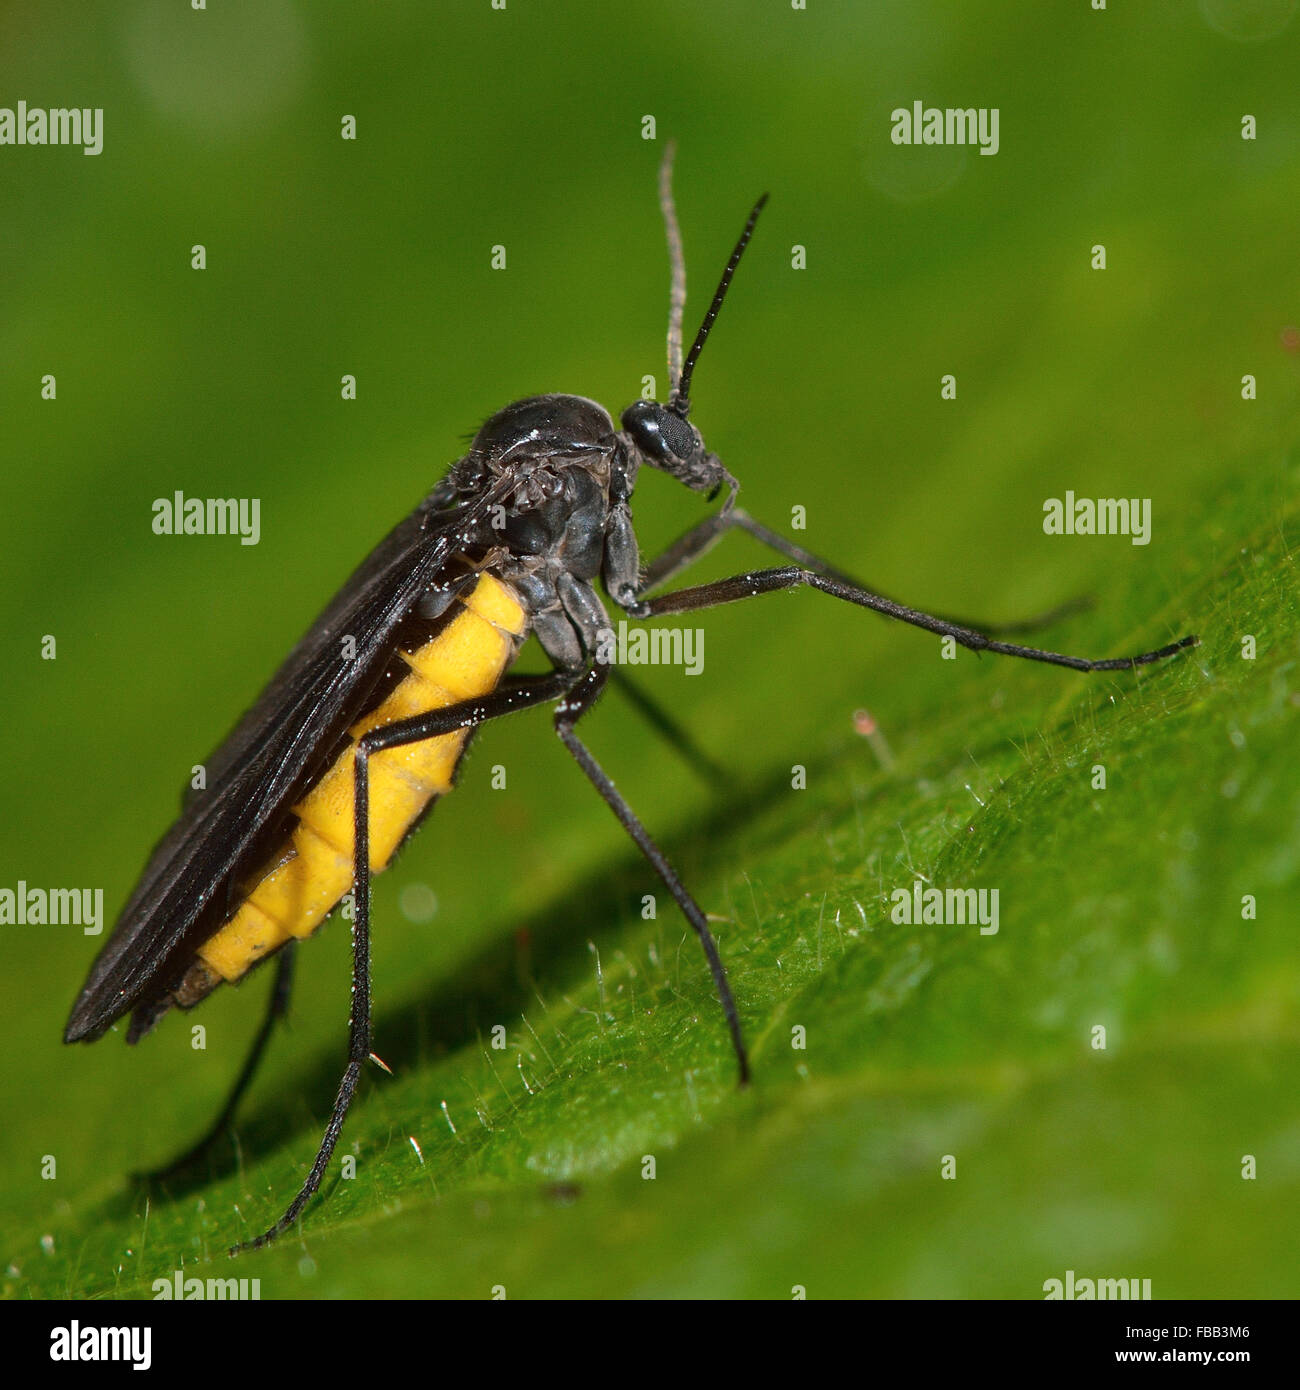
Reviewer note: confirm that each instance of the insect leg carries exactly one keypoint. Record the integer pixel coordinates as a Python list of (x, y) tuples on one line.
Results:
[(675, 734), (277, 1008), (580, 700), (742, 586), (691, 546), (464, 714), (688, 548), (706, 767)]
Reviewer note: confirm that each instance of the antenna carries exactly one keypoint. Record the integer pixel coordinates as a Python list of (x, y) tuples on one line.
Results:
[(677, 294), (679, 402)]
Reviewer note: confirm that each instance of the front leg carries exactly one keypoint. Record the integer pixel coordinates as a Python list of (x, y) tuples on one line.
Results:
[(743, 586), (702, 537)]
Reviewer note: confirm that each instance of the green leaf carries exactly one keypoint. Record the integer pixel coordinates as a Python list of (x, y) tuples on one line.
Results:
[(925, 1047), (1119, 908)]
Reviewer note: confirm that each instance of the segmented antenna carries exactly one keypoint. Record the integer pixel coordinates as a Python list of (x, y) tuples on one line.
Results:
[(677, 294), (679, 402)]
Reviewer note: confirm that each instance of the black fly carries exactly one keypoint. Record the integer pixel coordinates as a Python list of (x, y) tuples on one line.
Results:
[(305, 799)]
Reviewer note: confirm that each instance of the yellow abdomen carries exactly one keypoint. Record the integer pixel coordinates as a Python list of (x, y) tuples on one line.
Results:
[(315, 867)]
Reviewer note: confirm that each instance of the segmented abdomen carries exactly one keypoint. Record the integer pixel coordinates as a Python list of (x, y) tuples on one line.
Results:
[(314, 869)]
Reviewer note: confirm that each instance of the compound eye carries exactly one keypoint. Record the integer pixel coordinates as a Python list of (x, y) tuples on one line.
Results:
[(678, 435), (661, 436)]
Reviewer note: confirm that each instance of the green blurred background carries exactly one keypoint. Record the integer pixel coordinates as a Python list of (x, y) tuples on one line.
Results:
[(820, 389)]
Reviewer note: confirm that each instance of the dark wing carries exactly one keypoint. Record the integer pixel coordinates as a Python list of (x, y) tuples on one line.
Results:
[(257, 773)]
